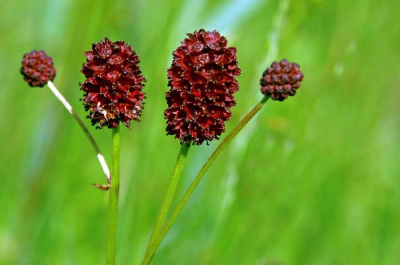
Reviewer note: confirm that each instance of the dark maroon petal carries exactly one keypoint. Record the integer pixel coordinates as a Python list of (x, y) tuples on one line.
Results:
[(202, 80), (281, 80), (37, 68), (113, 85)]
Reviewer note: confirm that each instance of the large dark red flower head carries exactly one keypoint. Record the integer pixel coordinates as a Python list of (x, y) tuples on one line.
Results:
[(281, 80), (37, 68), (113, 85), (202, 78)]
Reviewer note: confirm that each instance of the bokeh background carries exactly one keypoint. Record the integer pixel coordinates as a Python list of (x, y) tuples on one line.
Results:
[(312, 180)]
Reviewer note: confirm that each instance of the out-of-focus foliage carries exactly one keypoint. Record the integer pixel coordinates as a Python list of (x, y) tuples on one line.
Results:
[(312, 180)]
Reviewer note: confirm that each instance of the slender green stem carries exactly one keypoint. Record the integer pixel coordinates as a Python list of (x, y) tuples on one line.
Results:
[(200, 175), (100, 157), (113, 199), (166, 204)]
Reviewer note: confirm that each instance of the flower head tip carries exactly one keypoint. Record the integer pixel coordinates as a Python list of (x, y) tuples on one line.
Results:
[(37, 68), (281, 80)]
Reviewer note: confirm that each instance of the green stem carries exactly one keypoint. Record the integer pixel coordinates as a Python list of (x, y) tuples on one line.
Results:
[(200, 175), (166, 205), (96, 148), (113, 199)]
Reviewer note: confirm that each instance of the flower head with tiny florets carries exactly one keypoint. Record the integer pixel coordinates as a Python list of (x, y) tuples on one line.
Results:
[(281, 80), (202, 81), (37, 68), (113, 85)]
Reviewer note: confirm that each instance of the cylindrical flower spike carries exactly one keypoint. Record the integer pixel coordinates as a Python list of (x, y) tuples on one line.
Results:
[(37, 68), (113, 85), (281, 80), (202, 79)]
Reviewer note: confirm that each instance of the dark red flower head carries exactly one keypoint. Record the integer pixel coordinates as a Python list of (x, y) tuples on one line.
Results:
[(202, 78), (113, 85), (281, 80), (37, 68)]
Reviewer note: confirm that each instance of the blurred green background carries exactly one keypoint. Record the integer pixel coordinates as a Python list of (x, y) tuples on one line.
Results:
[(312, 180)]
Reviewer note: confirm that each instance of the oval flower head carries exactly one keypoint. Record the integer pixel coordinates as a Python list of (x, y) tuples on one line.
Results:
[(202, 81), (281, 80), (113, 85), (37, 68)]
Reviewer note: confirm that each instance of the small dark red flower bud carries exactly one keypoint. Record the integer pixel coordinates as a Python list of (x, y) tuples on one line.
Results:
[(202, 79), (113, 85), (37, 68), (281, 80)]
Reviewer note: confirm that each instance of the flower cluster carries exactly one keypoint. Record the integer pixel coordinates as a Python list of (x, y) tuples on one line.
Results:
[(202, 81), (37, 68), (281, 80), (113, 85)]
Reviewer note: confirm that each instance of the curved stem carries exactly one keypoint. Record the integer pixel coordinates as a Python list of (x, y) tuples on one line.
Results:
[(100, 157), (113, 199), (166, 204), (203, 170)]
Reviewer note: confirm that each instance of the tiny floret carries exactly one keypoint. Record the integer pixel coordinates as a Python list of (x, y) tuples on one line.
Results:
[(37, 68), (281, 80), (113, 85), (202, 81)]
